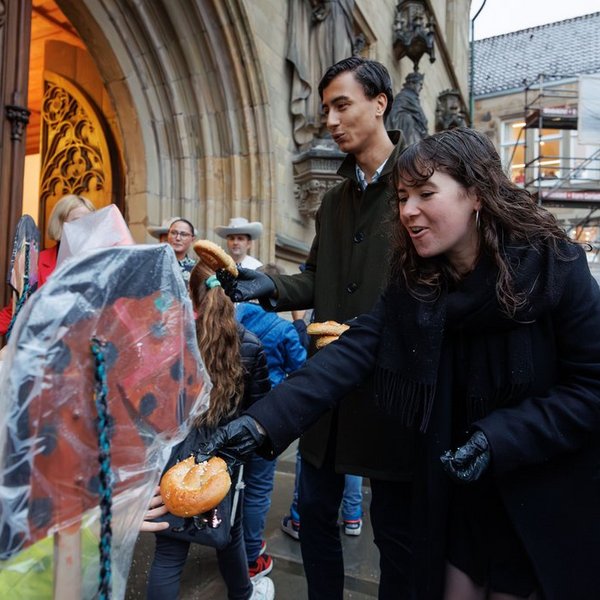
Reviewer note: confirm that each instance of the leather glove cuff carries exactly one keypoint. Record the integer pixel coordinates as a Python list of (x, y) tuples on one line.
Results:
[(234, 442)]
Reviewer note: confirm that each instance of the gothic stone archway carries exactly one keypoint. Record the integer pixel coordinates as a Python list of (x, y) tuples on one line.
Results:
[(191, 104)]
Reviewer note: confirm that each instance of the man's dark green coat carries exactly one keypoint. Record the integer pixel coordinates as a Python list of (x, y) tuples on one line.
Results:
[(346, 272)]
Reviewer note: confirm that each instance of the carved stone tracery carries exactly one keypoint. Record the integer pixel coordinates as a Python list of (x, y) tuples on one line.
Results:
[(315, 173), (309, 195)]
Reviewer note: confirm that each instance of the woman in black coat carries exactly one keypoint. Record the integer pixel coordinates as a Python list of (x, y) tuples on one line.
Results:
[(486, 340)]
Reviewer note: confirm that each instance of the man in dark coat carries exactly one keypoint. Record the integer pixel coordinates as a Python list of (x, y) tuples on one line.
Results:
[(345, 274)]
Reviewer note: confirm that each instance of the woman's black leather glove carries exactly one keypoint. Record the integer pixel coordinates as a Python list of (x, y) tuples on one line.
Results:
[(234, 442), (249, 285), (470, 461)]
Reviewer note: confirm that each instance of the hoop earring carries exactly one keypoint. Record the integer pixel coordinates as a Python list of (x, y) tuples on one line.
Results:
[(477, 219)]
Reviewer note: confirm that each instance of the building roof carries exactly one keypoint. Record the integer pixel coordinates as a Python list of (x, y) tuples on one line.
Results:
[(559, 50)]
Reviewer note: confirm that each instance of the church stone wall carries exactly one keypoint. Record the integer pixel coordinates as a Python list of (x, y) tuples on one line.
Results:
[(268, 20), (201, 90)]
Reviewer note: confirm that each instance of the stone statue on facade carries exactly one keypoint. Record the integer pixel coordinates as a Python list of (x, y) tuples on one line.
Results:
[(407, 114), (448, 111), (320, 33)]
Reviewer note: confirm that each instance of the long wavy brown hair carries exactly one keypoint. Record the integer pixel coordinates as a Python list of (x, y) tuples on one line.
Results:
[(508, 213), (218, 340)]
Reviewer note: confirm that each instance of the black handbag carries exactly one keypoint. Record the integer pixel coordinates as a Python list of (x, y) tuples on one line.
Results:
[(212, 528)]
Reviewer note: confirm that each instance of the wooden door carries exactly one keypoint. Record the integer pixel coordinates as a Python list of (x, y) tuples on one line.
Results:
[(15, 27)]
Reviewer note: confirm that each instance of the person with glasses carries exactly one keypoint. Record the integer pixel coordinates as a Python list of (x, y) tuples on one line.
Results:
[(180, 236), (161, 232)]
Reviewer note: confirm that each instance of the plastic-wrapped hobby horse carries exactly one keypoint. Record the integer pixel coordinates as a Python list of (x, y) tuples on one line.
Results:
[(101, 375)]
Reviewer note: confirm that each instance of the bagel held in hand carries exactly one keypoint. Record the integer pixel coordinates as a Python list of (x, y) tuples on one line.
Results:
[(328, 328), (215, 257), (189, 489), (322, 340), (326, 332)]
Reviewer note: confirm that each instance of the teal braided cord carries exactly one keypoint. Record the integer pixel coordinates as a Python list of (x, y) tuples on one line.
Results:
[(24, 294), (103, 427)]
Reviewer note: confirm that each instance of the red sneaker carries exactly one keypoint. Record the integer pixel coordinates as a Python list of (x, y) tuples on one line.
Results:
[(262, 566)]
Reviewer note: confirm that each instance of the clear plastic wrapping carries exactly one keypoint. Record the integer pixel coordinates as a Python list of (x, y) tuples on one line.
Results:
[(134, 300), (103, 228)]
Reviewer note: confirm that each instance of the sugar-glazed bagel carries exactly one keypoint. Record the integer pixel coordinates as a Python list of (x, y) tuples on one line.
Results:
[(189, 488), (214, 256), (329, 328), (323, 340)]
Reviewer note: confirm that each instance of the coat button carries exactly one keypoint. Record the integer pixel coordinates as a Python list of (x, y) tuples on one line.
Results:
[(359, 236), (352, 287)]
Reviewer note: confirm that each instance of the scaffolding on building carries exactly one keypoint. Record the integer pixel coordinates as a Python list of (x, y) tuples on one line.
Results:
[(560, 178)]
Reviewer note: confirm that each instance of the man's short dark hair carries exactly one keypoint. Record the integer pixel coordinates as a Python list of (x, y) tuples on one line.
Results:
[(372, 75)]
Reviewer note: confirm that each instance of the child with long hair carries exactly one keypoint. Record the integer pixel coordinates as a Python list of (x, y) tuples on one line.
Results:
[(236, 364)]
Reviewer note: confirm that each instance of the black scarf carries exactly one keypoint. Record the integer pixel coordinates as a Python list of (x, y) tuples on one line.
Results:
[(496, 349)]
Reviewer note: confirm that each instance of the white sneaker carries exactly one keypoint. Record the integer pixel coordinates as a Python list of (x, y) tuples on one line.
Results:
[(264, 589), (353, 527)]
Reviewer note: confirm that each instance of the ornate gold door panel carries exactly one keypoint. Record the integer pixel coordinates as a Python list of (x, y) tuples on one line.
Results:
[(15, 27), (78, 154)]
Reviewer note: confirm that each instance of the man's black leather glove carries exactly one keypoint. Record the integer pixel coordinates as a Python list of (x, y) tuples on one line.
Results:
[(234, 442), (470, 461), (249, 285)]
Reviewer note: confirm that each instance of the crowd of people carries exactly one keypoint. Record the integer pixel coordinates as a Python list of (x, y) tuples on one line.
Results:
[(463, 376), (242, 367), (466, 389), (270, 348)]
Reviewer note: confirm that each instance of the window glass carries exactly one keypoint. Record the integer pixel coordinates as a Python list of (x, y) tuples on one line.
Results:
[(512, 150), (549, 153), (584, 163)]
